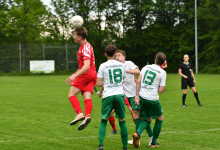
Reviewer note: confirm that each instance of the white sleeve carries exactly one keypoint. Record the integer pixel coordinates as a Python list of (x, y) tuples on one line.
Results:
[(163, 79), (132, 65), (100, 72)]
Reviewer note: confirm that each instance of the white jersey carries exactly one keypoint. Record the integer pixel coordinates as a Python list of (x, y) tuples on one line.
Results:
[(152, 77), (113, 73), (129, 85)]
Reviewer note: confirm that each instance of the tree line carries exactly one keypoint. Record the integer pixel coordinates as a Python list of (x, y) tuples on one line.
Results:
[(140, 27)]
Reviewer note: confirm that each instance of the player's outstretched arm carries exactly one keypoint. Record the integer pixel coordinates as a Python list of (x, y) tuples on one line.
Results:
[(134, 71)]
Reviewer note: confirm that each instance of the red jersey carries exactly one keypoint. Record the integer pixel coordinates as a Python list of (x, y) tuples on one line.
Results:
[(164, 64), (86, 52)]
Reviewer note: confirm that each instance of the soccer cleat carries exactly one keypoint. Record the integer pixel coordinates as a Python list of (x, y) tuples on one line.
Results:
[(200, 104), (97, 92), (136, 140), (155, 145), (78, 118), (125, 148), (184, 105), (150, 140), (100, 147), (84, 124), (114, 132)]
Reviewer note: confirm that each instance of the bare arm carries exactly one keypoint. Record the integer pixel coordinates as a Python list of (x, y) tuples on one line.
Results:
[(99, 82), (138, 84), (192, 74), (165, 66), (100, 93), (79, 72), (161, 89), (134, 71), (180, 73)]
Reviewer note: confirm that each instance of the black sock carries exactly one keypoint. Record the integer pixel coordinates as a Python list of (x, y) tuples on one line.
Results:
[(197, 97), (184, 98)]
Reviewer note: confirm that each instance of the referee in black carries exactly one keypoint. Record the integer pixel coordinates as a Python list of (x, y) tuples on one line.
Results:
[(186, 71)]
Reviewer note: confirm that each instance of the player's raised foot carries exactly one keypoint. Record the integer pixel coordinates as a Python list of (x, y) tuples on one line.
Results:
[(150, 140), (136, 140), (97, 92), (100, 147), (184, 105), (200, 104), (155, 145), (84, 124), (125, 148), (130, 142), (114, 132), (78, 118)]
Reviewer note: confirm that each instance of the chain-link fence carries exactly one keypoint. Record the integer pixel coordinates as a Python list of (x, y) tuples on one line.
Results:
[(17, 57)]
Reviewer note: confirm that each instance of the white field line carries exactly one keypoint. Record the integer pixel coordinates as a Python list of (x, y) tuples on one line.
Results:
[(92, 137)]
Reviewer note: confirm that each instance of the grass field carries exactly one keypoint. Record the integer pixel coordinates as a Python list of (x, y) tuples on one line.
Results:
[(35, 114)]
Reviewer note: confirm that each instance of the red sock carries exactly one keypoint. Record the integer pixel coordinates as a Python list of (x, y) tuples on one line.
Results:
[(112, 122), (88, 107), (133, 119), (75, 103)]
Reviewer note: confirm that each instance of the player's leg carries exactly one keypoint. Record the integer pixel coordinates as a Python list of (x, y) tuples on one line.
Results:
[(156, 131), (184, 88), (76, 105), (129, 107), (111, 120), (192, 86), (96, 91), (119, 105), (105, 112)]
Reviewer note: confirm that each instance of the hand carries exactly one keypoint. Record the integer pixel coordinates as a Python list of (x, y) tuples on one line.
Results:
[(100, 94), (194, 81), (70, 79), (137, 100), (185, 77)]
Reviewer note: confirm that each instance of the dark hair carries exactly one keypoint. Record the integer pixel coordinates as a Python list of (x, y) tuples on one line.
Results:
[(81, 31), (160, 58), (122, 52), (110, 50)]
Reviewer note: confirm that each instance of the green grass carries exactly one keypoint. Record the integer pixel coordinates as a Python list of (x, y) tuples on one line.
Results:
[(35, 114)]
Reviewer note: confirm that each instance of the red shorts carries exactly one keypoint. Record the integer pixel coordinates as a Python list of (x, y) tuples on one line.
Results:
[(85, 82), (126, 102)]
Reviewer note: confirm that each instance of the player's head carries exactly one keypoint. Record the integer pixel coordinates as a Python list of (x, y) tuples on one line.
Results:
[(160, 58), (186, 58), (80, 34), (110, 50), (120, 55)]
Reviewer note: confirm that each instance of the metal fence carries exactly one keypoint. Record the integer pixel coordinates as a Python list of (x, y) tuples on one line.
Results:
[(17, 57)]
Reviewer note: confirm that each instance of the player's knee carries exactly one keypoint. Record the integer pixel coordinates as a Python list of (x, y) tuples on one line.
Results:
[(149, 119), (120, 120), (160, 118)]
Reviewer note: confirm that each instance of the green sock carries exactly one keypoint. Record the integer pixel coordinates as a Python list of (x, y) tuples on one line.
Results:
[(124, 133), (156, 132), (95, 89), (137, 123), (142, 127), (102, 130), (149, 130)]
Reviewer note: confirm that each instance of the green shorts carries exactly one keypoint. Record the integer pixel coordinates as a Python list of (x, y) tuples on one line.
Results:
[(116, 102), (150, 108), (134, 106)]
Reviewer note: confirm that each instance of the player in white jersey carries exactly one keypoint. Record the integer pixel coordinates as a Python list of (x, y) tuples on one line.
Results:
[(112, 72), (151, 80), (129, 89)]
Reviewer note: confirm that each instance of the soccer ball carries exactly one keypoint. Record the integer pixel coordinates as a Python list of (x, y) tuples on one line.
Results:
[(76, 21)]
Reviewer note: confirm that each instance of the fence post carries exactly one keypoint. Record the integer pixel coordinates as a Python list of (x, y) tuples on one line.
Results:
[(67, 58), (43, 53), (20, 55)]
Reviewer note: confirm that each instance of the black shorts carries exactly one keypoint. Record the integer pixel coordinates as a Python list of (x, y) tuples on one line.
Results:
[(189, 81)]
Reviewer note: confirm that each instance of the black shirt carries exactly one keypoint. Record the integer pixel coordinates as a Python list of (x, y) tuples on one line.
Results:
[(186, 69)]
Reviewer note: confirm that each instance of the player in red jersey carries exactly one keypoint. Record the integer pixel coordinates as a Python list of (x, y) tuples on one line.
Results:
[(164, 65), (84, 79)]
